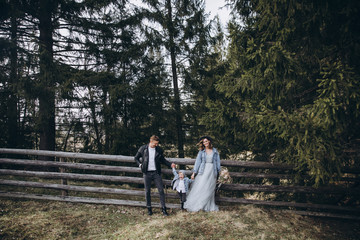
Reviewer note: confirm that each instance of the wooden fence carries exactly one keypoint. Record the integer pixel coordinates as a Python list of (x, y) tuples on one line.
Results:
[(115, 179)]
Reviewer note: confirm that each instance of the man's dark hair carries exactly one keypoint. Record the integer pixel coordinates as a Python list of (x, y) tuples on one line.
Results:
[(154, 138)]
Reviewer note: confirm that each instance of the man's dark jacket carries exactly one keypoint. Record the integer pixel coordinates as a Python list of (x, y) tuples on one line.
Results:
[(142, 157)]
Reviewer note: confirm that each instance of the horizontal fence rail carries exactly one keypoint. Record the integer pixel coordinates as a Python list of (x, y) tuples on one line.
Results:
[(109, 177)]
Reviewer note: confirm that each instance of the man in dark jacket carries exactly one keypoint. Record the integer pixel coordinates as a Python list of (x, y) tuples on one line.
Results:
[(149, 158)]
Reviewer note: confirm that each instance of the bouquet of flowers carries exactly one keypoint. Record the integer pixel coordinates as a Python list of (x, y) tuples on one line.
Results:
[(224, 177)]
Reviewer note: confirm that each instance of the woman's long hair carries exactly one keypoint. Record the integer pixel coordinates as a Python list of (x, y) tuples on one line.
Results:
[(201, 144)]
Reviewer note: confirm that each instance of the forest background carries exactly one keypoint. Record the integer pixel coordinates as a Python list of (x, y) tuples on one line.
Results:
[(281, 80)]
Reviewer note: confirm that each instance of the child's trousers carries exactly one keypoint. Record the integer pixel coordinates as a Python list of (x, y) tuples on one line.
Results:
[(182, 197)]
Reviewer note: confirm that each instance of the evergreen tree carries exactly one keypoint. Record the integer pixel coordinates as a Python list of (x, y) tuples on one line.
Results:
[(14, 30), (76, 47), (292, 81), (124, 67), (183, 30), (206, 71)]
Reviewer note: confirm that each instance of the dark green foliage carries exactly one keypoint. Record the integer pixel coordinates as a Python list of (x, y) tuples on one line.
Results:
[(184, 31), (108, 74), (292, 82)]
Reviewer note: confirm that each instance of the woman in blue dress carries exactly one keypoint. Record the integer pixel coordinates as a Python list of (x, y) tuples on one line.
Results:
[(207, 167)]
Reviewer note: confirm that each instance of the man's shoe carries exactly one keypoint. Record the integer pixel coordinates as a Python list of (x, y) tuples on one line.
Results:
[(164, 212), (150, 211)]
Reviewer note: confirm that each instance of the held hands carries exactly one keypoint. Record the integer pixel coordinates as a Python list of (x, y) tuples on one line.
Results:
[(173, 165), (193, 176)]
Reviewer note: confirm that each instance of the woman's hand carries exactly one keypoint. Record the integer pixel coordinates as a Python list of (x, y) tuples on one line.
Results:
[(193, 176)]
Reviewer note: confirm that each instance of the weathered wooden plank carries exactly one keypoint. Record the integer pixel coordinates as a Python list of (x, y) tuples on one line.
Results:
[(75, 176), (72, 176), (260, 175), (71, 187), (182, 161), (292, 189), (99, 167), (254, 164), (89, 156), (87, 166), (231, 187), (76, 188), (282, 176), (121, 158), (326, 214), (82, 199), (82, 166), (288, 204)]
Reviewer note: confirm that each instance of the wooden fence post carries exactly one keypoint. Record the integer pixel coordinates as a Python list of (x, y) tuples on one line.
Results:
[(63, 181)]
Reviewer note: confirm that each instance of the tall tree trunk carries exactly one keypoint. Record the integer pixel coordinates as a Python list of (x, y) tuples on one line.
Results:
[(47, 78), (125, 98), (92, 105), (107, 119), (177, 103), (12, 100)]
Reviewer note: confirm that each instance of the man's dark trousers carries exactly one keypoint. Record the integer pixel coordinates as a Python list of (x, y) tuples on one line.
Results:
[(150, 176)]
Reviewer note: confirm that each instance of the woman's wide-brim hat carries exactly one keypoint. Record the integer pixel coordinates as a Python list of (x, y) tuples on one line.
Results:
[(207, 137)]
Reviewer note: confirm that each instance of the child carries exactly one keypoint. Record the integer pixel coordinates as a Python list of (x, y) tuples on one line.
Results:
[(181, 183)]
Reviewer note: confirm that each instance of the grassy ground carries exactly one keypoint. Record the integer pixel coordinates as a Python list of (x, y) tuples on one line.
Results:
[(54, 220)]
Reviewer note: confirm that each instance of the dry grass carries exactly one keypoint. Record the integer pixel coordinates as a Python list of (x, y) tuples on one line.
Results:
[(53, 220)]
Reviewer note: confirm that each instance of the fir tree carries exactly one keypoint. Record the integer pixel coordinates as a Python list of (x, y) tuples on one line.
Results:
[(183, 31), (292, 82)]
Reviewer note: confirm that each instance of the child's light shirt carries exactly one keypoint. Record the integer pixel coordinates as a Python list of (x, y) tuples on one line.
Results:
[(181, 186)]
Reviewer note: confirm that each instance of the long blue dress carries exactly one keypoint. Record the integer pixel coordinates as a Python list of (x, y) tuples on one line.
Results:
[(202, 193)]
